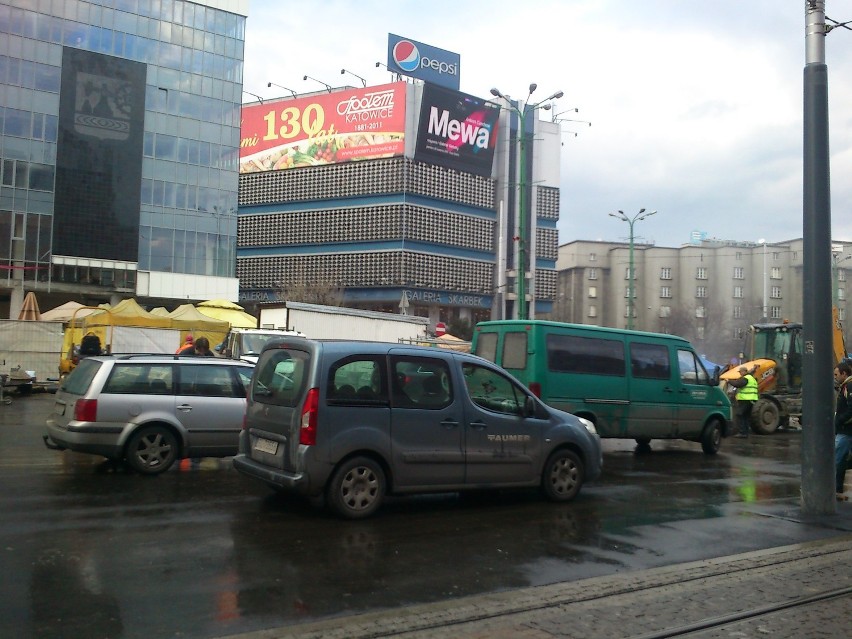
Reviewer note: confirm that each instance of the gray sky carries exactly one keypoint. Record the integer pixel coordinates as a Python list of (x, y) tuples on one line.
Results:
[(695, 105)]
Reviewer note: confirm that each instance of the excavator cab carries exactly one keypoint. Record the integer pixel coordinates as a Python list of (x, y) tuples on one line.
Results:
[(781, 343)]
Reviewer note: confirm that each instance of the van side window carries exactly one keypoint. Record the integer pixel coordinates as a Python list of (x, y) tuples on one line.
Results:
[(486, 346), (691, 369), (650, 361), (514, 350), (357, 382), (571, 354), (492, 391), (420, 382), (281, 377)]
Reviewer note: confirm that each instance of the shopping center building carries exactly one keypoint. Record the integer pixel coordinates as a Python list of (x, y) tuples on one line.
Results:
[(384, 203), (120, 133)]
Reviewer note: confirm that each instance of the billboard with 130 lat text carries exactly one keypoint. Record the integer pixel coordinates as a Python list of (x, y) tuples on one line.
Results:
[(353, 124)]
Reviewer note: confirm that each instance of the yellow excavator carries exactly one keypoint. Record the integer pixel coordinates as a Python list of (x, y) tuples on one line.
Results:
[(776, 352)]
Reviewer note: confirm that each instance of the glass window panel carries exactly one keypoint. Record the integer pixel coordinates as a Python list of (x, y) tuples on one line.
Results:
[(41, 177), (165, 147), (27, 74), (22, 173), (47, 78), (162, 249), (17, 123)]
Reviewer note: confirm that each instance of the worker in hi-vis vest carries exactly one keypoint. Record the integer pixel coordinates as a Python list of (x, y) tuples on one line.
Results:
[(746, 396)]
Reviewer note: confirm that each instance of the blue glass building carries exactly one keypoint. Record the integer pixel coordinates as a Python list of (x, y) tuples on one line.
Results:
[(119, 135)]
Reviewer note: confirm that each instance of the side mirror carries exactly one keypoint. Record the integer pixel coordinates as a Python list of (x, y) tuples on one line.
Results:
[(714, 378), (529, 407)]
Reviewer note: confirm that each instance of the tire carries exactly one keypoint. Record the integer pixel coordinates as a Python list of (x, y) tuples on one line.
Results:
[(563, 475), (152, 450), (711, 438), (765, 417), (357, 488)]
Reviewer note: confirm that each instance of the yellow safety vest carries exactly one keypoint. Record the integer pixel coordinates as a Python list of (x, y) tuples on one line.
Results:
[(748, 393)]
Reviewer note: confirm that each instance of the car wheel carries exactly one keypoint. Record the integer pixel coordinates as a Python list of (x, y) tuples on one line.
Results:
[(357, 488), (562, 476), (765, 417), (711, 438), (152, 450)]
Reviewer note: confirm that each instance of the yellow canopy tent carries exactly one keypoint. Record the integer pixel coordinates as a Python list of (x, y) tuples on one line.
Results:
[(191, 321), (228, 312)]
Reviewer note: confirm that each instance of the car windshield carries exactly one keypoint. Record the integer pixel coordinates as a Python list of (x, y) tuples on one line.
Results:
[(253, 344)]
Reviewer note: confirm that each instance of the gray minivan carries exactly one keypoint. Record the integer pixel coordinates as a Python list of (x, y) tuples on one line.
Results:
[(353, 421)]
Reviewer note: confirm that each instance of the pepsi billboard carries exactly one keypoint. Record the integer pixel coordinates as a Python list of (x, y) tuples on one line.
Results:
[(424, 62), (457, 130)]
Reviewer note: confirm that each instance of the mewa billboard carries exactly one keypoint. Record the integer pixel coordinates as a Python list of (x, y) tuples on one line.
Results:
[(457, 130), (354, 124)]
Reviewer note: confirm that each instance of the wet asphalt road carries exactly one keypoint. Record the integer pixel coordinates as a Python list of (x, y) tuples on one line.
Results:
[(92, 550)]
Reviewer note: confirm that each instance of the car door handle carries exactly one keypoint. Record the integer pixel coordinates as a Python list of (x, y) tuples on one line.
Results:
[(450, 424), (185, 407), (478, 425), (667, 389)]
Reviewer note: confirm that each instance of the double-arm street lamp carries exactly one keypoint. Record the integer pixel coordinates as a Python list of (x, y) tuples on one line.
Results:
[(523, 199), (641, 215)]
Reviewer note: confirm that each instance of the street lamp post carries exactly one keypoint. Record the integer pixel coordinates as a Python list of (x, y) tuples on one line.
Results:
[(765, 283), (641, 215), (523, 200)]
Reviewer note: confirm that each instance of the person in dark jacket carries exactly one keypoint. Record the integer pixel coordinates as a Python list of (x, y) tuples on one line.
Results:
[(202, 348), (842, 426)]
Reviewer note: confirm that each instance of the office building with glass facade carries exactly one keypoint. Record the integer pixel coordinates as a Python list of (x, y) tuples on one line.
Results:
[(120, 126)]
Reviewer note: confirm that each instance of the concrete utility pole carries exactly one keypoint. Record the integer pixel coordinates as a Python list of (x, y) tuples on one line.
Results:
[(818, 356)]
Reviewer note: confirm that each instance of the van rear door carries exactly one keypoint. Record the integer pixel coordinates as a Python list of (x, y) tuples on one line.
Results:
[(274, 407)]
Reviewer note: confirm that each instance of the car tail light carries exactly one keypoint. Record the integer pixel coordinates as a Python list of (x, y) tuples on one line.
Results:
[(86, 410), (535, 387), (308, 427)]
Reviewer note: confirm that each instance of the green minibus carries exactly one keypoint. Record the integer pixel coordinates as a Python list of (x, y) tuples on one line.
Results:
[(630, 384)]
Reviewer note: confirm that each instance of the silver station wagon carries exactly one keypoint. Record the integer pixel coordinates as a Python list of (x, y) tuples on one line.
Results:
[(151, 410), (353, 421)]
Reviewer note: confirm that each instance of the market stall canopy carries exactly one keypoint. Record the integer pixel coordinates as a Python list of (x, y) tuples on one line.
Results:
[(64, 312), (29, 309), (236, 317), (189, 317), (162, 311), (127, 313), (221, 304), (453, 343)]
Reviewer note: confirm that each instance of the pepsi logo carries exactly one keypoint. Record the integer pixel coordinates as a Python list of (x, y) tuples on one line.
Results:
[(406, 56)]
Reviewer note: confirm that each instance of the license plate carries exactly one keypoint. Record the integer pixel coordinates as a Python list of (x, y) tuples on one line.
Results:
[(266, 446)]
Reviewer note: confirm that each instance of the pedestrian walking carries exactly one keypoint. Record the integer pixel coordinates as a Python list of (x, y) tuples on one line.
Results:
[(746, 396), (842, 426)]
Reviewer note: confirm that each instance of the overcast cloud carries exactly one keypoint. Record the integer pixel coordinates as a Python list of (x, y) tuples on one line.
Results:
[(695, 105)]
